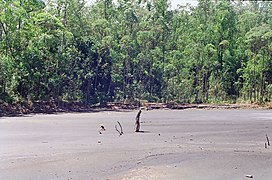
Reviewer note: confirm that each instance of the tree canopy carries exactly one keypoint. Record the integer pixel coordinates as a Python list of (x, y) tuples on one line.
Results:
[(66, 50)]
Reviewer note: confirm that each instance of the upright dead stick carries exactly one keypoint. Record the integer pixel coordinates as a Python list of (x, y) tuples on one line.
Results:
[(137, 123), (121, 129), (268, 143)]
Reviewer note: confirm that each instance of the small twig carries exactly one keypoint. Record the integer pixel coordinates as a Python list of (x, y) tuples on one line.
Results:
[(249, 176), (121, 129), (265, 146), (102, 127), (268, 143)]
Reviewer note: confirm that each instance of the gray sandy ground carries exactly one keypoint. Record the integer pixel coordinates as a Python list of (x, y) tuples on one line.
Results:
[(187, 145)]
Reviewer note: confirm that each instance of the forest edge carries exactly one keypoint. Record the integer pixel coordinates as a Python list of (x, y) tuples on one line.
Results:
[(69, 107)]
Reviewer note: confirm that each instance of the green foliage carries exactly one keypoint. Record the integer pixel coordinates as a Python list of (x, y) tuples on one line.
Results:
[(130, 51)]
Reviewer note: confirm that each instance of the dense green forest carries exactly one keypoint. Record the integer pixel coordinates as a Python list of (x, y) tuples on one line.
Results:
[(131, 50)]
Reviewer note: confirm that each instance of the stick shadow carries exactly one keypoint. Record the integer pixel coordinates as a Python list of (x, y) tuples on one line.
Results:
[(143, 132)]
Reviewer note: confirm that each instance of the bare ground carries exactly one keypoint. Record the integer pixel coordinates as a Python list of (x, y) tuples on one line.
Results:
[(174, 144)]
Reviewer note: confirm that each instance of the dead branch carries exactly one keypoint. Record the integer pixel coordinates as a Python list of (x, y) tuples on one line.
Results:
[(268, 143), (121, 129), (137, 123)]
